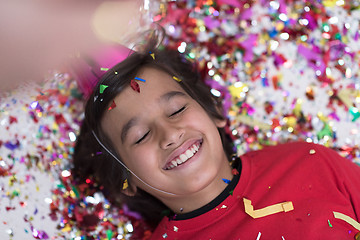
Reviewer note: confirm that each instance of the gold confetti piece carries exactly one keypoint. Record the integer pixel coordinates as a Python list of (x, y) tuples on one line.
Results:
[(312, 151), (67, 228), (347, 219), (176, 79), (125, 184), (276, 208), (347, 95), (152, 55)]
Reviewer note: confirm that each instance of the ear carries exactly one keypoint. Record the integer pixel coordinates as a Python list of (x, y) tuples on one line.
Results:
[(220, 123), (130, 190)]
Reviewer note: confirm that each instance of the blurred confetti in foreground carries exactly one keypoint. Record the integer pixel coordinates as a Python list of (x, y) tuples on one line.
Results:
[(39, 129), (286, 70)]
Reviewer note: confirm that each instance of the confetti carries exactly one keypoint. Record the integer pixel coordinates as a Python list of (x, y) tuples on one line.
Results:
[(234, 171), (48, 151), (152, 55), (275, 65), (258, 236), (113, 105), (276, 208), (321, 54), (347, 219), (227, 181), (135, 86), (330, 225), (177, 79), (102, 88), (355, 113), (125, 184), (140, 79)]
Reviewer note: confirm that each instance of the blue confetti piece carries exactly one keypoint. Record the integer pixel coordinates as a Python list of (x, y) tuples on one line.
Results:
[(140, 79), (226, 180)]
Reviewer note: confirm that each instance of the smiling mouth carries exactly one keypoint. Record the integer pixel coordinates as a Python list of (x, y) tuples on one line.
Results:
[(184, 157)]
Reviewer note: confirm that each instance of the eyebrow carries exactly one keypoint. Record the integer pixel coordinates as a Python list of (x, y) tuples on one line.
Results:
[(168, 96), (133, 121)]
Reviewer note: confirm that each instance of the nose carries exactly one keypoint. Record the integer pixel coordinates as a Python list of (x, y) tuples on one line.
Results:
[(171, 135)]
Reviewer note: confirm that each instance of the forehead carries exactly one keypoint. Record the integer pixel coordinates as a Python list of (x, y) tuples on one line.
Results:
[(130, 102), (152, 83)]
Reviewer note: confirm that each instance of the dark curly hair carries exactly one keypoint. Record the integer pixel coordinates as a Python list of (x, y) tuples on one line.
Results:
[(106, 170)]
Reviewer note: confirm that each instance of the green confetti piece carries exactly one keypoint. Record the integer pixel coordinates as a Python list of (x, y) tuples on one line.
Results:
[(60, 185), (329, 224), (109, 234), (104, 69), (326, 131), (102, 88), (355, 113), (15, 193)]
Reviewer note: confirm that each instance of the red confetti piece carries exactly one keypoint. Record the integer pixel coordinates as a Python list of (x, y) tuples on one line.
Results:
[(268, 107), (135, 86), (235, 172), (12, 119), (9, 208), (59, 119), (113, 105)]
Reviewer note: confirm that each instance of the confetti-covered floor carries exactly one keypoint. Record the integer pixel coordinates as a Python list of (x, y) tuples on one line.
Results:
[(287, 70)]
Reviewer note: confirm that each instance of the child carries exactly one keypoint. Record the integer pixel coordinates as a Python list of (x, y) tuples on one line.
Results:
[(163, 144)]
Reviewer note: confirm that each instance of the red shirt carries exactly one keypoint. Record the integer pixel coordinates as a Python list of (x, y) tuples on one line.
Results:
[(315, 179)]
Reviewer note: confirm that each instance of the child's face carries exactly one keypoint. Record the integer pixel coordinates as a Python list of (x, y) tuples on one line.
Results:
[(161, 125)]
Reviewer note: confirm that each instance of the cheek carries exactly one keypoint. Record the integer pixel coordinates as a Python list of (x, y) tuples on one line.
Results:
[(200, 118), (141, 158)]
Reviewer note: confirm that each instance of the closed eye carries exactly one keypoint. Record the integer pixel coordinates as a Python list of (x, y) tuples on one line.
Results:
[(142, 138), (178, 111)]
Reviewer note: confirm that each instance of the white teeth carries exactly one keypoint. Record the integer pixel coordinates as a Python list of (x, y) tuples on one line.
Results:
[(189, 153), (193, 150), (183, 157)]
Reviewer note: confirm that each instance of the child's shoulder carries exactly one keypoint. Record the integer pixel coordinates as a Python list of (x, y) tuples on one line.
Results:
[(298, 153), (289, 147), (292, 153)]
